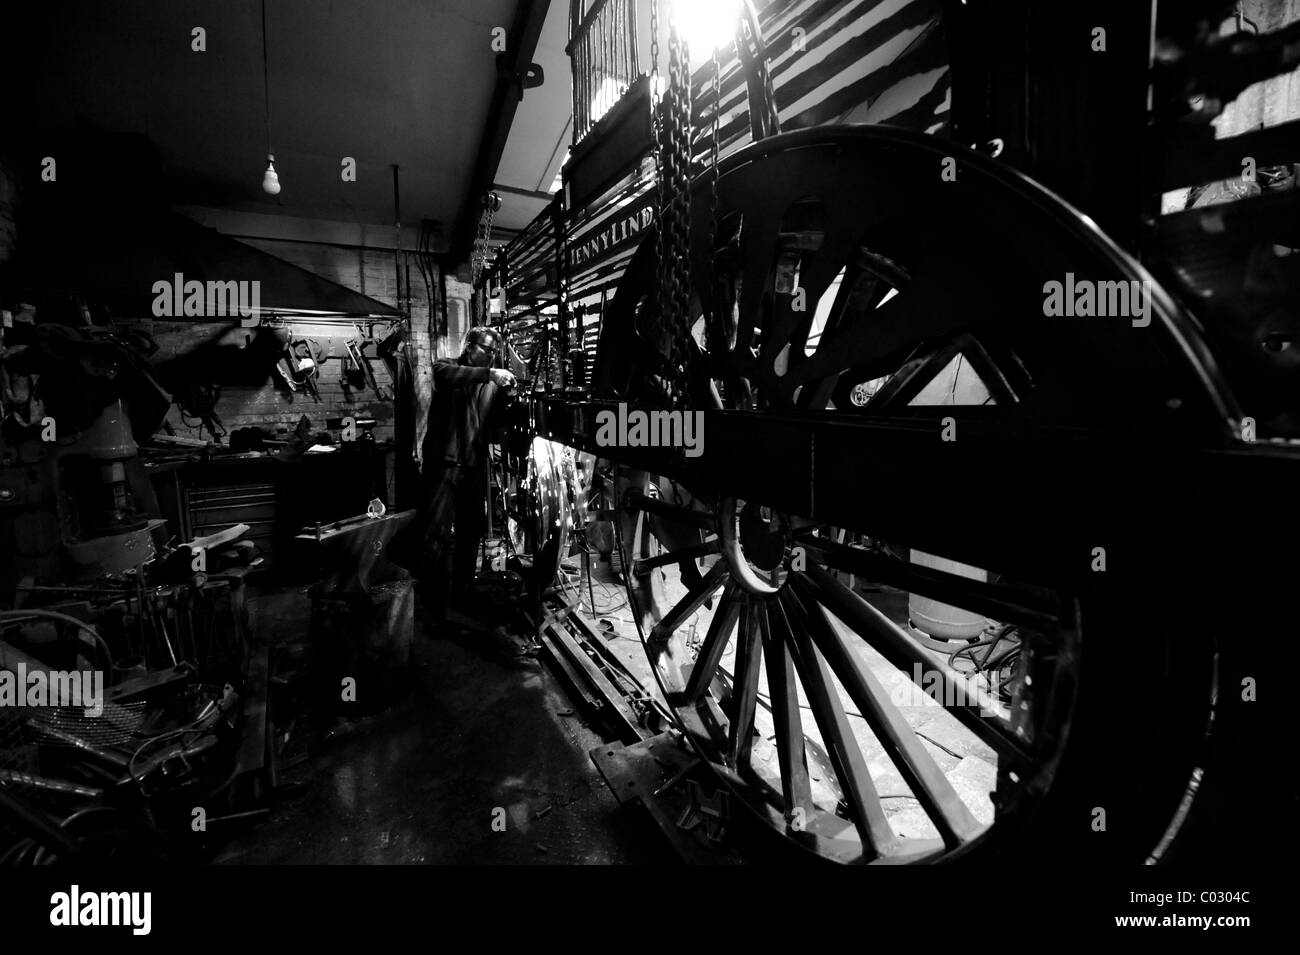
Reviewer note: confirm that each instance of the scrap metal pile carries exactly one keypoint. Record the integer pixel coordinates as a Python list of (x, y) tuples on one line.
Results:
[(132, 718)]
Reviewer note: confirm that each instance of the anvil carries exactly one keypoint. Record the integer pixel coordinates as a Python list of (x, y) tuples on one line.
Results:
[(354, 551)]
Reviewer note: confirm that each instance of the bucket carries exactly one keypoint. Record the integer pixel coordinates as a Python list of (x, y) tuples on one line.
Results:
[(940, 620), (128, 668)]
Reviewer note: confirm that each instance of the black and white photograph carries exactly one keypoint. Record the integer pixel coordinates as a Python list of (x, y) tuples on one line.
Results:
[(781, 435)]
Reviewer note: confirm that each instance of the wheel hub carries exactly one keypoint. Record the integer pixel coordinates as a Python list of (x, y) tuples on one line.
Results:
[(763, 536), (755, 544)]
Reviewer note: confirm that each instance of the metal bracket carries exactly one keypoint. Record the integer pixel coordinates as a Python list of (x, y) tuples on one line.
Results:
[(712, 812)]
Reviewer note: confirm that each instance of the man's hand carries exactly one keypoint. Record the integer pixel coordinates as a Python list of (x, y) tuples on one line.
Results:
[(502, 378)]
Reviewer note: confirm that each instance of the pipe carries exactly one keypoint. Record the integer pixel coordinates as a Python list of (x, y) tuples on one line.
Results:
[(397, 252)]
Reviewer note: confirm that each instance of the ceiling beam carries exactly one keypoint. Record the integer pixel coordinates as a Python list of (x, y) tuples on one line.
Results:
[(526, 193), (512, 67)]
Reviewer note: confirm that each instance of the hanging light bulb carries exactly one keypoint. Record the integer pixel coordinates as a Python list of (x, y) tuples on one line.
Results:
[(270, 180), (706, 25)]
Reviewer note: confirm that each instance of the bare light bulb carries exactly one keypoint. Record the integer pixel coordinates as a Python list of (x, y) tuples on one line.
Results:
[(270, 181), (706, 25)]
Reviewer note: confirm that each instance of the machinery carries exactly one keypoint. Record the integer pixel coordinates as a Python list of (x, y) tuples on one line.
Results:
[(860, 313), (93, 588)]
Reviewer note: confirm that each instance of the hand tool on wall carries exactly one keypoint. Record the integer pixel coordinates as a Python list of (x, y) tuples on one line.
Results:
[(353, 371), (357, 346), (300, 364)]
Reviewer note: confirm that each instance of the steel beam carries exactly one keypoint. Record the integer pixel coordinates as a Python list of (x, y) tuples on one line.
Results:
[(521, 45), (1026, 500)]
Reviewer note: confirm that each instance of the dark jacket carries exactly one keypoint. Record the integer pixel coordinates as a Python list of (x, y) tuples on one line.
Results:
[(466, 405)]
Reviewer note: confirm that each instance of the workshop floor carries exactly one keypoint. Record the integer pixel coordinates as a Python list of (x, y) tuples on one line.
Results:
[(422, 782), (484, 731), (969, 764)]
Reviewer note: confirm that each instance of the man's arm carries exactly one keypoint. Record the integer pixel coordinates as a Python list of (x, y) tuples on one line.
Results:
[(448, 373), (423, 387)]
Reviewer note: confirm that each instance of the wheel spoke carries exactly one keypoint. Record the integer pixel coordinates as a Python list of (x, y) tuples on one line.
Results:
[(720, 627), (1027, 608), (945, 808), (637, 499), (744, 693), (774, 630), (837, 735), (702, 549), (926, 310), (815, 279), (914, 374), (968, 704), (690, 603), (759, 225), (988, 370)]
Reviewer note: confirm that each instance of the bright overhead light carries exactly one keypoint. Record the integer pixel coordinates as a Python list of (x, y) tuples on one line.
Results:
[(270, 180), (706, 25)]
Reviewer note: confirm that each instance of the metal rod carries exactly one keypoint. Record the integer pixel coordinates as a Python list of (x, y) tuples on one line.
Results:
[(397, 252), (745, 689), (690, 603), (720, 628), (945, 808), (900, 650), (585, 26), (629, 40), (1003, 603), (45, 784), (792, 756), (841, 745), (638, 500), (691, 551)]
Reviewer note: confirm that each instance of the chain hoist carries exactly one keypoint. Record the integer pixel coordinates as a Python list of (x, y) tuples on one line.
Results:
[(712, 248), (478, 258), (656, 122), (673, 212)]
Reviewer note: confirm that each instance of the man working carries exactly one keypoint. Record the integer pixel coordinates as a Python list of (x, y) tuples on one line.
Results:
[(452, 451)]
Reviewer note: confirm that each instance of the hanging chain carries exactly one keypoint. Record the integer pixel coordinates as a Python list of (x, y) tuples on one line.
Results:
[(661, 203), (677, 177), (712, 248), (479, 257)]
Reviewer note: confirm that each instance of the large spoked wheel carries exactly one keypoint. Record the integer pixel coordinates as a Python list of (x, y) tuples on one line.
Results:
[(821, 710), (845, 274), (540, 504)]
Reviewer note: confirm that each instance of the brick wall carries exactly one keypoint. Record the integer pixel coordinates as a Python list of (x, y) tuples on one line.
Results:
[(272, 406)]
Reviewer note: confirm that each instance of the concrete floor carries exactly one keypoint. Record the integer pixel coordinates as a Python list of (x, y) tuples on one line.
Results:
[(423, 782), (969, 764), (484, 734)]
